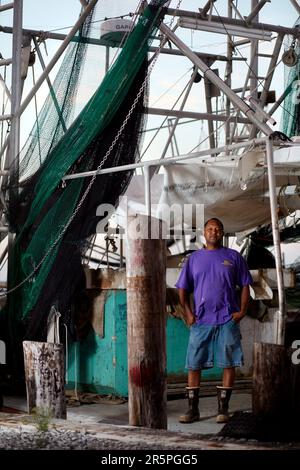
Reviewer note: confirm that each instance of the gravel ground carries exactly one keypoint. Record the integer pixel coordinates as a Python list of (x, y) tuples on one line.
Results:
[(58, 440), (62, 439)]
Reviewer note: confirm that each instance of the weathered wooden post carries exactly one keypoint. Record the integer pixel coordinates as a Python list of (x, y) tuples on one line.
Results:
[(270, 381), (276, 383), (45, 378), (146, 323)]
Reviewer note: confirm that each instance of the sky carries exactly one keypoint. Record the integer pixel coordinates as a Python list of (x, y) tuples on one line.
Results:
[(170, 74)]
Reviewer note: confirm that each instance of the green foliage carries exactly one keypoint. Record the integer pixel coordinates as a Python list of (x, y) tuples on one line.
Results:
[(42, 418)]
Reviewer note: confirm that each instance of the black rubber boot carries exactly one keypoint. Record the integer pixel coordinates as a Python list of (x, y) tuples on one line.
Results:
[(192, 413), (224, 394)]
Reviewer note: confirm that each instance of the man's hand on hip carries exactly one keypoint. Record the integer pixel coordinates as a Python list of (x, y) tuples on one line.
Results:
[(237, 316), (190, 318)]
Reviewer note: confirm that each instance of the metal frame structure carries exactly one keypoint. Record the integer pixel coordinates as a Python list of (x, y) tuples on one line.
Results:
[(253, 120)]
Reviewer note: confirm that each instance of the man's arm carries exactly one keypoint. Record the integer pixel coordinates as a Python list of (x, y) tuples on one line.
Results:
[(184, 299), (245, 296)]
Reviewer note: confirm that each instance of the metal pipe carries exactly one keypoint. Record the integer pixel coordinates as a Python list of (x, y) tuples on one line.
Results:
[(4, 146), (7, 92), (254, 66), (282, 97), (276, 241), (52, 92), (5, 62), (207, 7), (50, 35), (12, 161), (206, 57), (210, 124), (187, 93), (106, 59), (147, 189), (3, 256), (296, 5), (223, 20), (169, 120), (56, 56), (235, 99), (121, 253), (214, 27), (237, 11), (255, 10), (5, 117), (16, 90), (241, 89), (99, 42), (192, 114), (7, 6), (167, 161), (271, 70), (241, 42), (228, 75), (261, 111), (245, 87)]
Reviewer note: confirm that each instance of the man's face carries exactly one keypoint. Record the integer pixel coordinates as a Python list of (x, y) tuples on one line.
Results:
[(213, 233)]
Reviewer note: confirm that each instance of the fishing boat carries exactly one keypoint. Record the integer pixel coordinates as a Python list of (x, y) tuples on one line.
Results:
[(91, 159)]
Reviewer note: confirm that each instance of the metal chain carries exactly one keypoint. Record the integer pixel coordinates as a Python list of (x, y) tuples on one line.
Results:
[(173, 17), (63, 231)]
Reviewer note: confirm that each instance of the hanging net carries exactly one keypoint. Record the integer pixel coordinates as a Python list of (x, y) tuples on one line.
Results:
[(290, 120), (53, 221)]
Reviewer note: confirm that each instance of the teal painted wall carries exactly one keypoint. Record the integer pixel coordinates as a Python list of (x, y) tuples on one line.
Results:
[(100, 364)]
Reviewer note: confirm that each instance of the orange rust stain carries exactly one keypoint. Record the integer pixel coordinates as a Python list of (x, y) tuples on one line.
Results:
[(139, 282)]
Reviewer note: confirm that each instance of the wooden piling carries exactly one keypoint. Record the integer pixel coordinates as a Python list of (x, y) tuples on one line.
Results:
[(276, 383), (146, 324), (45, 378)]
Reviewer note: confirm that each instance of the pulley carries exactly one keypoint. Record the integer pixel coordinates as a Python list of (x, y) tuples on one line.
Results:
[(290, 57)]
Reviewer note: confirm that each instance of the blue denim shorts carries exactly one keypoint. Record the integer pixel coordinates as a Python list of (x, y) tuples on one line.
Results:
[(209, 342)]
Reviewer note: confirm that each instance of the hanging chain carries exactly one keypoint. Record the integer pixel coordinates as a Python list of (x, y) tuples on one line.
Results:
[(86, 192), (176, 10)]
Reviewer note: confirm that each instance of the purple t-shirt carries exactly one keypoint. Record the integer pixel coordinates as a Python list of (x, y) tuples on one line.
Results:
[(213, 276)]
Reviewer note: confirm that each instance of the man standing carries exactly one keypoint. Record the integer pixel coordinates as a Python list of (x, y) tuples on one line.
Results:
[(212, 275)]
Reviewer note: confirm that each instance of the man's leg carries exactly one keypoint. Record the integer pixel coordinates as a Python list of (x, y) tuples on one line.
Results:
[(228, 377), (192, 413), (229, 355), (224, 394), (194, 377), (199, 355)]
